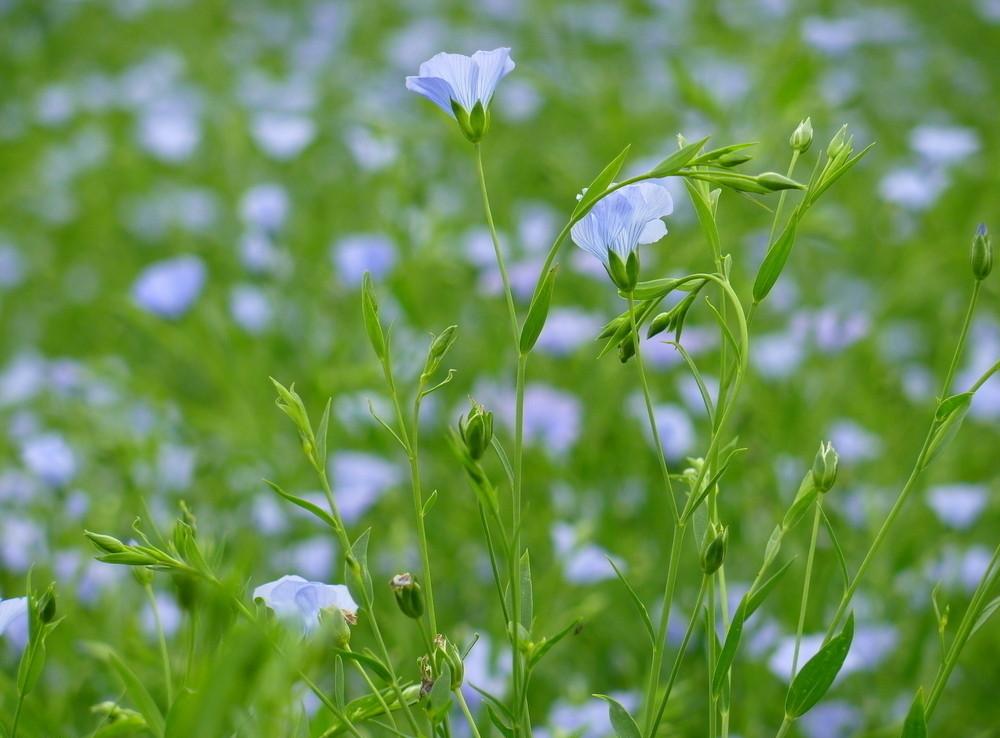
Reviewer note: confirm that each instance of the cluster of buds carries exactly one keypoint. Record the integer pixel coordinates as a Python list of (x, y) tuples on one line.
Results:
[(825, 467), (409, 596), (476, 430), (673, 319)]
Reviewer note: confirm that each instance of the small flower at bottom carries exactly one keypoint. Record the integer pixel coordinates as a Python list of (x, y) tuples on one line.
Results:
[(463, 86), (294, 599)]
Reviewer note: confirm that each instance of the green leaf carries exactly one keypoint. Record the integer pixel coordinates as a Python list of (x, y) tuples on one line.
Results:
[(369, 311), (915, 725), (774, 261), (947, 420), (759, 594), (841, 559), (985, 614), (623, 723), (804, 498), (547, 643), (428, 504), (818, 673), (439, 698), (599, 186), (538, 312), (366, 659), (643, 612), (527, 597), (316, 510), (321, 434), (359, 552), (134, 687), (728, 653), (677, 160)]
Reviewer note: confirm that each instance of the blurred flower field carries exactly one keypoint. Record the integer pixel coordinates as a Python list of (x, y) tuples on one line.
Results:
[(191, 194)]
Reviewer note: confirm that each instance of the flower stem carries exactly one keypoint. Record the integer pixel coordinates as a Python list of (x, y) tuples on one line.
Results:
[(781, 197), (508, 293), (675, 669), (786, 724), (803, 604), (467, 712), (915, 472)]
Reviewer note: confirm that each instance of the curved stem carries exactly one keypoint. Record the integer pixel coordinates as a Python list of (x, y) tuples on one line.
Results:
[(508, 293), (467, 712), (957, 355), (803, 604), (375, 690)]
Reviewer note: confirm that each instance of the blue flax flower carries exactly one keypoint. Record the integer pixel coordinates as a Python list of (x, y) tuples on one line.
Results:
[(294, 599), (463, 86)]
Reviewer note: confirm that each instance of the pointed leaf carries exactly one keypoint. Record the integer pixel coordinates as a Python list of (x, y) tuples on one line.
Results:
[(316, 510), (598, 188), (623, 723), (774, 261), (643, 612), (915, 725), (538, 312), (812, 682)]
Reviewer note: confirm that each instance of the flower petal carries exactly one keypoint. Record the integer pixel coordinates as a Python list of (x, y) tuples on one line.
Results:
[(435, 89), (493, 67), (459, 71)]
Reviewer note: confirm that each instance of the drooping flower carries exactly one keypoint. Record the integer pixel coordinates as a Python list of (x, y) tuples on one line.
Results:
[(619, 222), (298, 600), (463, 86), (14, 620)]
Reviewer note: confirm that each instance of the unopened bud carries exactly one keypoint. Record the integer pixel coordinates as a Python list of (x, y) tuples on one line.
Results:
[(841, 142), (733, 159), (107, 544), (802, 137), (47, 605), (982, 253), (774, 182), (626, 349), (715, 552), (824, 471), (408, 595), (336, 624), (476, 430)]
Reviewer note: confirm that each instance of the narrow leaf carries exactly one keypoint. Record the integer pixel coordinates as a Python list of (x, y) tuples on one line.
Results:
[(597, 188), (304, 504), (811, 684), (774, 261), (757, 597), (134, 687), (915, 725), (538, 312), (623, 723), (643, 612)]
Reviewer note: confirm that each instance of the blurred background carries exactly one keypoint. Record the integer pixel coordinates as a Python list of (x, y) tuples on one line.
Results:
[(191, 191)]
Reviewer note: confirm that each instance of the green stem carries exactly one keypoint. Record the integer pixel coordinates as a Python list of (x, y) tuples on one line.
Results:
[(162, 638), (418, 510), (375, 690), (918, 468), (803, 604), (963, 634), (508, 293), (956, 357), (781, 197), (675, 669), (519, 676), (653, 683), (710, 631), (468, 713), (786, 724)]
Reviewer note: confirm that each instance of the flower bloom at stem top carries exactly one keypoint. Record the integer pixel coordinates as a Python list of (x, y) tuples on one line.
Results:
[(463, 86), (294, 599), (618, 223)]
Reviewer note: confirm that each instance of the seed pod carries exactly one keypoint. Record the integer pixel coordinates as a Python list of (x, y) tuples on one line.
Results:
[(715, 552), (447, 652), (476, 430), (409, 596)]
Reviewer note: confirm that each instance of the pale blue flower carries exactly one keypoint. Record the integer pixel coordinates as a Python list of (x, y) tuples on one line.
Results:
[(466, 80), (622, 220), (168, 288), (14, 620), (295, 599)]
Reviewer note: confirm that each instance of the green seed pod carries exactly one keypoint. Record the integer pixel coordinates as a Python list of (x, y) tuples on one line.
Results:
[(476, 430), (447, 652), (802, 137), (660, 323), (335, 622), (982, 253), (824, 471), (774, 182), (143, 575), (733, 159), (408, 595), (369, 311), (626, 349), (107, 544), (715, 552)]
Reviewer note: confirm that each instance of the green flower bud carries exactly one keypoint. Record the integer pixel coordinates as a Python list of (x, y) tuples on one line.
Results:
[(774, 182), (802, 137), (107, 544), (476, 430), (143, 575), (733, 159), (446, 651), (626, 349), (47, 605), (408, 595), (840, 145), (335, 623), (369, 311), (824, 471), (715, 552), (982, 253)]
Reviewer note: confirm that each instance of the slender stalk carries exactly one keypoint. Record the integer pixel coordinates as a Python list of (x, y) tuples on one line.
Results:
[(675, 669), (520, 678), (162, 638), (468, 713), (786, 725), (781, 197), (915, 473), (418, 510), (375, 690), (710, 631), (803, 605), (652, 685), (963, 634), (956, 357)]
